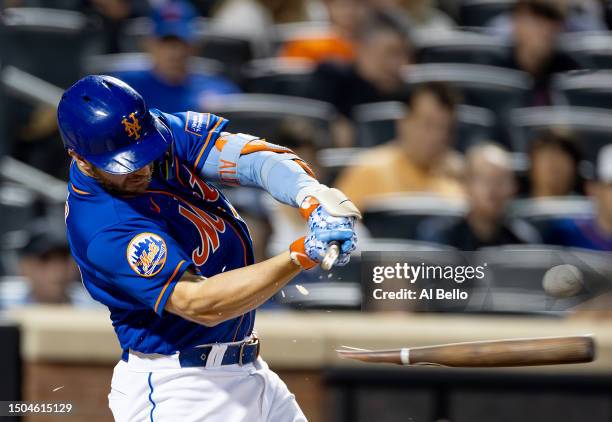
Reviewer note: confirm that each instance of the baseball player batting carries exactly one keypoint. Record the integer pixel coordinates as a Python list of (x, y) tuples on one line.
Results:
[(172, 259)]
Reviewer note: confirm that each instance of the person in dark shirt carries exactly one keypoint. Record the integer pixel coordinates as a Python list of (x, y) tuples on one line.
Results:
[(382, 52), (490, 185), (537, 25), (590, 233)]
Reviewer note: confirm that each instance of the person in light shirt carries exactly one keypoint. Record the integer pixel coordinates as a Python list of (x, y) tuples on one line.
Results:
[(420, 160)]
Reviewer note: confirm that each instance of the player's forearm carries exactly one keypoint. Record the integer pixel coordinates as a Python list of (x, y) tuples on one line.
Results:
[(227, 295), (281, 178), (267, 166)]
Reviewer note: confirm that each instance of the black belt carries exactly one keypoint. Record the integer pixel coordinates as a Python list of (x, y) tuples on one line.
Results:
[(240, 354)]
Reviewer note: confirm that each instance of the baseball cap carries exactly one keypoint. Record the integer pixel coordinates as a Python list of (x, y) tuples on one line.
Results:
[(604, 164), (174, 19)]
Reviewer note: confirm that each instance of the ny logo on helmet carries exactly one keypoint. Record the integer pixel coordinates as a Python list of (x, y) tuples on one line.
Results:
[(132, 128)]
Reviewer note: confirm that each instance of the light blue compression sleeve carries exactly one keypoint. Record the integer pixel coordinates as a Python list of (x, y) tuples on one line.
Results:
[(276, 172)]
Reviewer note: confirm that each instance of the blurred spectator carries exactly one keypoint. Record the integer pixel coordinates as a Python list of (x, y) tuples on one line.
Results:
[(36, 138), (490, 185), (49, 273), (594, 233), (417, 15), (554, 157), (582, 15), (382, 52), (537, 25), (169, 85), (419, 160), (255, 18), (114, 14), (335, 42)]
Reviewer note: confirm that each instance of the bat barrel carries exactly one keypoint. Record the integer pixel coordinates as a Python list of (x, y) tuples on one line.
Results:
[(507, 353)]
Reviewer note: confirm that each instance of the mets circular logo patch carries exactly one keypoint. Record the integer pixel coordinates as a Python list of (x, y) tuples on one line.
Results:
[(147, 254)]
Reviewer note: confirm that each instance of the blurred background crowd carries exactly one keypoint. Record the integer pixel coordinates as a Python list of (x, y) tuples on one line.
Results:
[(462, 124)]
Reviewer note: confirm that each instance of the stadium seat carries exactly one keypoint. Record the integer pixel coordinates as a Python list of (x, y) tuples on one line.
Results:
[(334, 160), (592, 49), (542, 212), (490, 87), (376, 124), (17, 210), (460, 47), (261, 114), (5, 142), (399, 216), (286, 32), (232, 50), (325, 295), (111, 63), (341, 287), (480, 12), (494, 88), (278, 76), (584, 89), (592, 126), (48, 43), (515, 274)]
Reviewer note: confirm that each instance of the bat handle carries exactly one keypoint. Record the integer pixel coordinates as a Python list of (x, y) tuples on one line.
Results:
[(331, 256)]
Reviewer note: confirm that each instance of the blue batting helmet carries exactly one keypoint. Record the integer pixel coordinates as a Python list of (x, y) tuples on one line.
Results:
[(107, 122)]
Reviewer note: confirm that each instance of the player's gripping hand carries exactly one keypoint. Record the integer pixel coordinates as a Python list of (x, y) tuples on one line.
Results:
[(331, 218)]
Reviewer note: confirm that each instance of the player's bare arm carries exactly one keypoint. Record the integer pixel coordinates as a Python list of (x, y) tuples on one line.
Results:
[(210, 301)]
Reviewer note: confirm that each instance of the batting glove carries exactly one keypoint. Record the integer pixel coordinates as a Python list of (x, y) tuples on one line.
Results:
[(331, 218)]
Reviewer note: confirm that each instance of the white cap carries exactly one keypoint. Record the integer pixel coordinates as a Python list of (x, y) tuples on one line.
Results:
[(604, 164)]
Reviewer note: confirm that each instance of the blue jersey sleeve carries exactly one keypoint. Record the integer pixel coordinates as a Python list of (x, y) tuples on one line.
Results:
[(141, 260), (194, 135)]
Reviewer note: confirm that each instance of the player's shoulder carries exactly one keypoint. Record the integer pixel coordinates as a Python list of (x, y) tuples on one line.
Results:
[(88, 214), (194, 134), (192, 123)]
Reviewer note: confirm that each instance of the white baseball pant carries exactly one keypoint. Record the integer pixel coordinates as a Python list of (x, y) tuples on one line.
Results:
[(154, 388)]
